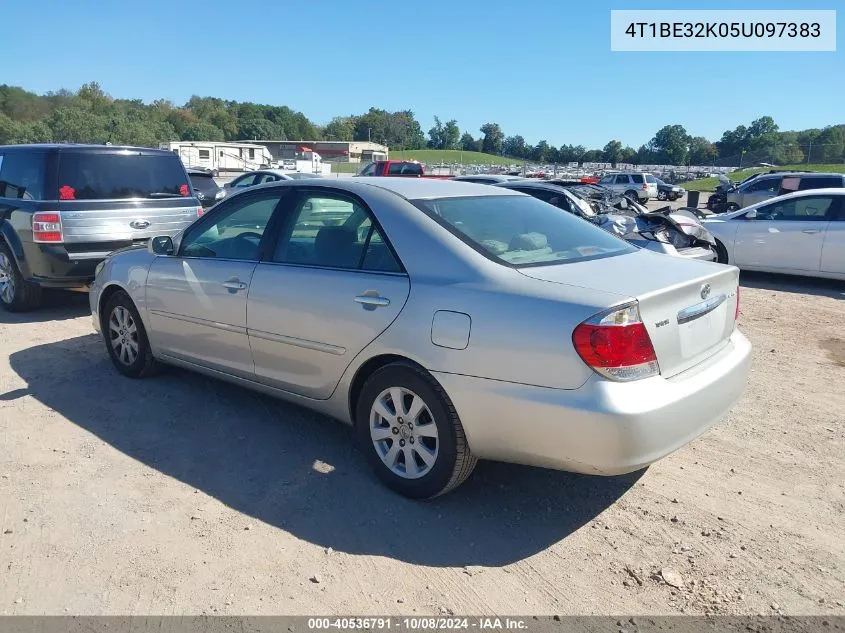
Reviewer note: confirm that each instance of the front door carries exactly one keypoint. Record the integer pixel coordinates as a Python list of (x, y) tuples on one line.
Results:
[(197, 299), (786, 235), (331, 286)]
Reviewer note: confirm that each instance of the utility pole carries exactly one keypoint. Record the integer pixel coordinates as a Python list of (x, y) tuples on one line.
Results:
[(369, 136), (809, 151)]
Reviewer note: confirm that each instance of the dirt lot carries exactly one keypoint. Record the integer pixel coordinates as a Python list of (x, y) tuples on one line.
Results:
[(182, 495)]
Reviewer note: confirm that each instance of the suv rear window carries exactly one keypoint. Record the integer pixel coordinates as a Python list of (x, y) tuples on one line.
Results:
[(819, 182), (116, 176), (522, 231), (637, 178), (203, 182)]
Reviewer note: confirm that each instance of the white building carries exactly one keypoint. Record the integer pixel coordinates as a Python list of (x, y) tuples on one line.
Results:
[(220, 157)]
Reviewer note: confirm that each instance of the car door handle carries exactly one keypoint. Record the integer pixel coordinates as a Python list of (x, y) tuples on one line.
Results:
[(810, 231), (372, 301), (234, 284)]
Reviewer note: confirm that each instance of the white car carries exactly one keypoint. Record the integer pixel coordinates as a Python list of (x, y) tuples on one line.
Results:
[(800, 233)]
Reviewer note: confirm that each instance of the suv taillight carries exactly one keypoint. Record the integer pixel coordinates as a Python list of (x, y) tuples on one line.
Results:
[(645, 186), (46, 227), (616, 345)]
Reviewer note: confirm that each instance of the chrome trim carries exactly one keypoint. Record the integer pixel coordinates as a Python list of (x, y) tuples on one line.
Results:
[(298, 342), (212, 324), (700, 309)]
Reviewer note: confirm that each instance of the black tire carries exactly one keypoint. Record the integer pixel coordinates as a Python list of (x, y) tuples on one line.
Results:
[(732, 207), (454, 461), (721, 253), (632, 195), (144, 364), (16, 293)]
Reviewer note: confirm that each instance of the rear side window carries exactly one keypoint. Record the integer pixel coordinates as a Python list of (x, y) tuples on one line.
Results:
[(819, 182), (90, 176), (622, 180), (22, 175), (650, 178), (638, 178)]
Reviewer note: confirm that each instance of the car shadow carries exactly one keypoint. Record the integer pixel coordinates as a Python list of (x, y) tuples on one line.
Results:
[(297, 470), (57, 305), (793, 284)]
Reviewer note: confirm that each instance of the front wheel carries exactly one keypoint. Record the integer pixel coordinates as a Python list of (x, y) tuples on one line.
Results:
[(661, 195), (126, 339), (409, 430), (721, 253), (16, 293)]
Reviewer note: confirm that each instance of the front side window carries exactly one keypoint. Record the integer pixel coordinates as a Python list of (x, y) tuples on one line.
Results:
[(522, 231), (234, 231), (771, 185), (117, 176), (334, 232), (22, 175), (805, 209), (606, 180)]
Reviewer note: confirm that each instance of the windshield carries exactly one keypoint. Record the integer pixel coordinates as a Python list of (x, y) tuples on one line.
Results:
[(114, 176), (522, 231)]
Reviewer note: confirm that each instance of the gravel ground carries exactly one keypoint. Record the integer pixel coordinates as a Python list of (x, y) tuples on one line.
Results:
[(182, 495)]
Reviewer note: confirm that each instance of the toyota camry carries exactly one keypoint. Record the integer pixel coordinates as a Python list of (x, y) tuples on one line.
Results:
[(445, 321)]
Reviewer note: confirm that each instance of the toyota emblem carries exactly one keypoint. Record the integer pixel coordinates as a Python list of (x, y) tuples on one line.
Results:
[(705, 291)]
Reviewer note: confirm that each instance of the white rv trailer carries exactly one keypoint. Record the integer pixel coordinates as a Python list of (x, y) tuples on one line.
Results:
[(221, 156)]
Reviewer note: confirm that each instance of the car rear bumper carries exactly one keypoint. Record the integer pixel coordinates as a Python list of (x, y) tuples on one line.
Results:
[(604, 427)]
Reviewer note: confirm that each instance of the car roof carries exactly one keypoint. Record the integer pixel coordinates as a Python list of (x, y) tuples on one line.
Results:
[(409, 188), (79, 147)]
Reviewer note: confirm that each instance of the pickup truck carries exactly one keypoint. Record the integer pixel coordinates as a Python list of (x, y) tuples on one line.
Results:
[(400, 168)]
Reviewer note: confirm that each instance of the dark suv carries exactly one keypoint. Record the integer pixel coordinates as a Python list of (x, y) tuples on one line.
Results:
[(64, 208), (206, 189)]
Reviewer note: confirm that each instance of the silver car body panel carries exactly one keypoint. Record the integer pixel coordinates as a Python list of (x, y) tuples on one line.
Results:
[(517, 354)]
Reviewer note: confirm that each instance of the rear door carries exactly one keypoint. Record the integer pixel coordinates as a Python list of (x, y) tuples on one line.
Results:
[(786, 235), (331, 286), (197, 299), (833, 248)]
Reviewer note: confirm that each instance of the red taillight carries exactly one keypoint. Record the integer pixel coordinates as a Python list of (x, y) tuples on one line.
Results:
[(46, 227), (617, 345), (645, 186), (200, 211), (736, 314)]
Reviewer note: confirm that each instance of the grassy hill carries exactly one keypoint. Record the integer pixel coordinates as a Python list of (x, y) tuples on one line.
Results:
[(709, 184), (453, 156)]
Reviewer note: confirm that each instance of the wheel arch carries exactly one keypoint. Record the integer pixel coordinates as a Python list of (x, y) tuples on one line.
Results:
[(10, 238), (107, 293)]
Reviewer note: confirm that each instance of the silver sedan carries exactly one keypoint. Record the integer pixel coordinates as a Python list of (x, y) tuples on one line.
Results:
[(446, 321)]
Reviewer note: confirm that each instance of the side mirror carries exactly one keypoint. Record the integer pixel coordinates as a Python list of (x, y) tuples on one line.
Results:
[(162, 245), (227, 185), (751, 215)]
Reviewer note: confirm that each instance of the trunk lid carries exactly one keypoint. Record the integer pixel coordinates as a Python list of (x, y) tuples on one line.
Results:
[(687, 306)]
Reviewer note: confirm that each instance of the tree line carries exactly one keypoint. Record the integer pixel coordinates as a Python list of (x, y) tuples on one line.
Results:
[(89, 115)]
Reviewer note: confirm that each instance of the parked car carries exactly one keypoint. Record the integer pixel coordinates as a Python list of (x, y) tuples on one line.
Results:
[(259, 177), (431, 319), (487, 179), (632, 185), (398, 168), (800, 233), (766, 186), (206, 189), (665, 191), (63, 208), (672, 233)]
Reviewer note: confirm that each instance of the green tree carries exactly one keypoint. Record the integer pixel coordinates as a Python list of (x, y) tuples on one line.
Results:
[(76, 125), (540, 152), (627, 155), (512, 146), (493, 138), (612, 152), (829, 145), (202, 131), (341, 128), (469, 144), (259, 129), (671, 143)]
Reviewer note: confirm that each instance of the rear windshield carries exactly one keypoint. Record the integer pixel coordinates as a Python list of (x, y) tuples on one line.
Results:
[(203, 182), (522, 231), (89, 176)]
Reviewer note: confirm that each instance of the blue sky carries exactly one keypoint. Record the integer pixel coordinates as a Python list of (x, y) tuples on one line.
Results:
[(542, 69)]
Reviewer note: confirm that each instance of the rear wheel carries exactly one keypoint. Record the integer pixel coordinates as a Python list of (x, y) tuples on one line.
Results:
[(126, 339), (733, 206), (632, 195), (16, 293), (409, 430)]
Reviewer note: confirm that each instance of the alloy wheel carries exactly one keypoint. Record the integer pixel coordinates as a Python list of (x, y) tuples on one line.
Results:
[(7, 279), (123, 335), (404, 433)]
